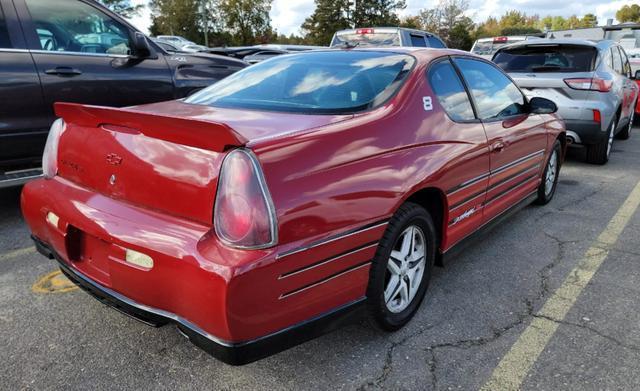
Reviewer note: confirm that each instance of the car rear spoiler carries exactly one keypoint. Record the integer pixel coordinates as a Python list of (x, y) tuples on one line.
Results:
[(197, 133)]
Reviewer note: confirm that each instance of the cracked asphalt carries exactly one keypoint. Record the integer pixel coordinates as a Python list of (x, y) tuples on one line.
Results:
[(477, 307)]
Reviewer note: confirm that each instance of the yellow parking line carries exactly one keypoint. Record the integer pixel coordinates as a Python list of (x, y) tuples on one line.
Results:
[(514, 366), (17, 253)]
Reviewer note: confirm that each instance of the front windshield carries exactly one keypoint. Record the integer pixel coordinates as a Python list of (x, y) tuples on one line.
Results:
[(312, 82), (367, 40)]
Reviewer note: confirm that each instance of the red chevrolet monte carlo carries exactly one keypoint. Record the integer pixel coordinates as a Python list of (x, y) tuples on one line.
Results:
[(282, 201)]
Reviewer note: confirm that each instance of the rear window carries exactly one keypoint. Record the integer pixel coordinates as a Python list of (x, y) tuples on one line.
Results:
[(367, 40), (547, 58), (4, 32), (315, 83)]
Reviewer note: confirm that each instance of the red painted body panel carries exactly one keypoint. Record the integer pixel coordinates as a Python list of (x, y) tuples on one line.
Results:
[(334, 180)]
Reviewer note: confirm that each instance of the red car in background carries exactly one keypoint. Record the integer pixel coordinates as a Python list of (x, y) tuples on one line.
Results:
[(278, 203)]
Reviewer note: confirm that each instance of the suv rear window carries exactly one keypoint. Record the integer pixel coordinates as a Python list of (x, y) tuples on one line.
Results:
[(547, 58), (4, 32), (315, 83), (367, 39)]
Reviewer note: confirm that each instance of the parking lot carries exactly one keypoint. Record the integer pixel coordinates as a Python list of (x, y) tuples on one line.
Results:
[(497, 305)]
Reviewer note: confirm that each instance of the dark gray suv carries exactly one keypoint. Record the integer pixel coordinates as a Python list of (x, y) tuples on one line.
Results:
[(590, 82)]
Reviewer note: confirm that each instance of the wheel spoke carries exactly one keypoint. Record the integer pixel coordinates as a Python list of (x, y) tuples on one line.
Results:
[(393, 267), (407, 242), (404, 292), (393, 288)]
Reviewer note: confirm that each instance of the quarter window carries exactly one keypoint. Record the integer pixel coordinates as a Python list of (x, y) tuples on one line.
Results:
[(418, 40), (450, 91), (494, 93), (74, 26), (4, 32), (617, 61), (435, 42)]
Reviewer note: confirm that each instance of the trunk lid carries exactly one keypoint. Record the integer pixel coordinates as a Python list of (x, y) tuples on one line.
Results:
[(165, 157)]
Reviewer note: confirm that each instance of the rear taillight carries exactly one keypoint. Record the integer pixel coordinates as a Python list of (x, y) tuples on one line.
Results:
[(244, 216), (592, 84), (50, 155)]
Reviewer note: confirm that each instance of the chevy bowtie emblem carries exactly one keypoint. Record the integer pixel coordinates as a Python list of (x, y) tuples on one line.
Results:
[(114, 159)]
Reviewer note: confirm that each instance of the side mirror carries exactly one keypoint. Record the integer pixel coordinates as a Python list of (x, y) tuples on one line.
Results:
[(539, 105), (141, 48)]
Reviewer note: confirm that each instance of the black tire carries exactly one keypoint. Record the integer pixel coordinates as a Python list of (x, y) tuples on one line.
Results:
[(599, 153), (408, 215), (625, 133), (546, 193)]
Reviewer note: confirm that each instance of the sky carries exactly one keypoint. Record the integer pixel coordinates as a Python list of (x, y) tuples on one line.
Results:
[(288, 15)]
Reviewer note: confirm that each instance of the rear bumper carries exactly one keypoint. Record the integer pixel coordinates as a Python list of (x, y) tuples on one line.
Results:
[(237, 305), (228, 352), (590, 132)]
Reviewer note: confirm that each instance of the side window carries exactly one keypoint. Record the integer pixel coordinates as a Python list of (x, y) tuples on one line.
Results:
[(5, 42), (626, 67), (74, 26), (494, 93), (435, 42), (451, 94), (418, 41), (617, 62)]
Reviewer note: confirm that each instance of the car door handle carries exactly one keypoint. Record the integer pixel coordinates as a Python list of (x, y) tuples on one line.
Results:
[(497, 146), (63, 71)]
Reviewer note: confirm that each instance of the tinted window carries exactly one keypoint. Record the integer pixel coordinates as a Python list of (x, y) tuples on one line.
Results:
[(73, 26), (435, 42), (450, 91), (312, 82), (547, 58), (418, 40), (617, 61), (494, 93), (4, 33)]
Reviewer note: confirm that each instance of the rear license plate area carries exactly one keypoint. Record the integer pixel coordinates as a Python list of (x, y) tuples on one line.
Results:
[(89, 254)]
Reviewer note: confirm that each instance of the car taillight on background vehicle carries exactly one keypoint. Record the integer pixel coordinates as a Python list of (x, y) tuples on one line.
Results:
[(50, 155), (364, 31), (244, 216), (592, 84)]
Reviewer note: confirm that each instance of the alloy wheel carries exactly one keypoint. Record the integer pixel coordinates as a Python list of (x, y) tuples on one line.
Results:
[(552, 172), (612, 132), (405, 269)]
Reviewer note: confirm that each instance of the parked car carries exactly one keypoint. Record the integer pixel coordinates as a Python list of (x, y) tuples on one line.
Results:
[(591, 82), (175, 40), (275, 204), (78, 51), (386, 37), (486, 47), (263, 55), (193, 48)]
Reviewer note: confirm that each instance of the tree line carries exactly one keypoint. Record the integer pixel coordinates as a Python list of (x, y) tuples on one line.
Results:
[(247, 22)]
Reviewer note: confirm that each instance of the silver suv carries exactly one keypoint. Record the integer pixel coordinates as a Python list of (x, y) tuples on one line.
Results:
[(590, 82)]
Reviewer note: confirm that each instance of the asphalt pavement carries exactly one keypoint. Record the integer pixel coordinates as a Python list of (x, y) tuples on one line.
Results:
[(549, 300)]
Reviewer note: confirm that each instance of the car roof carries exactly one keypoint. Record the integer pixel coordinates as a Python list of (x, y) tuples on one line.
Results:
[(421, 53)]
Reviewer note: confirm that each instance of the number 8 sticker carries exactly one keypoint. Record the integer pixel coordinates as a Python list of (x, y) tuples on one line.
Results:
[(428, 104)]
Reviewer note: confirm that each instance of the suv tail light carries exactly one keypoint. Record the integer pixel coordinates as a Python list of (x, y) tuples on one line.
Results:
[(244, 216), (592, 84), (364, 31), (50, 155)]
